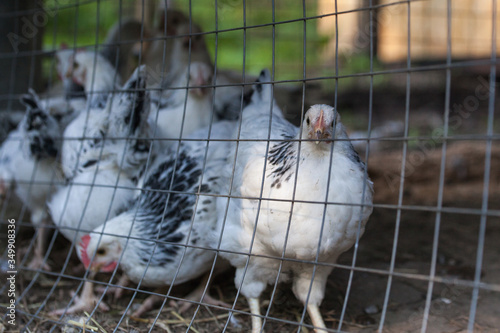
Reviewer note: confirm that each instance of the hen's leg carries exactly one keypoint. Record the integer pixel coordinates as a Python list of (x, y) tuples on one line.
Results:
[(122, 281), (316, 318), (312, 294), (253, 281), (85, 302), (147, 305), (255, 310), (39, 221), (117, 291), (197, 294)]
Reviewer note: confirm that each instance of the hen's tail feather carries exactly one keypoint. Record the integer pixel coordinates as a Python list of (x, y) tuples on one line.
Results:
[(262, 89), (135, 92), (42, 129)]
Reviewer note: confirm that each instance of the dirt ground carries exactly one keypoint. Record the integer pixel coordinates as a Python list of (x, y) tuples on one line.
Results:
[(456, 256), (450, 304)]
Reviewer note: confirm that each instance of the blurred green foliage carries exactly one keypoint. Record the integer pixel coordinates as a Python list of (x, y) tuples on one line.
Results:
[(80, 23), (85, 23), (246, 35), (253, 46)]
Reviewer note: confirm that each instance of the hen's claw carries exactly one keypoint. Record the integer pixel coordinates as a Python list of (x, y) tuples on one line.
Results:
[(86, 302), (196, 296), (147, 305), (38, 264), (118, 290), (207, 299)]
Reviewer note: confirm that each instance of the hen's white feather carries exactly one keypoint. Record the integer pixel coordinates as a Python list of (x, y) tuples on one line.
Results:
[(184, 106), (154, 243), (103, 154), (286, 204)]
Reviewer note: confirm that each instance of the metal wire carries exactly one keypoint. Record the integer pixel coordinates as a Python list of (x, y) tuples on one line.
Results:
[(487, 174), (389, 274), (435, 241)]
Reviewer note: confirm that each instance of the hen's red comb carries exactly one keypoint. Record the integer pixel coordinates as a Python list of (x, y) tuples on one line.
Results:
[(64, 46), (84, 257)]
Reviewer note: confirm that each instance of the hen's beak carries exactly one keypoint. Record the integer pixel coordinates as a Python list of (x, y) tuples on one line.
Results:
[(92, 274), (199, 81), (102, 267), (68, 73), (198, 92), (319, 128), (317, 135)]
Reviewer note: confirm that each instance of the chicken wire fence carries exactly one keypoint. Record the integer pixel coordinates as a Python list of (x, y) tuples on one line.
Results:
[(163, 158)]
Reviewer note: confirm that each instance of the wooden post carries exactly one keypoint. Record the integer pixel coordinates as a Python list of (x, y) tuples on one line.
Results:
[(471, 25), (348, 28)]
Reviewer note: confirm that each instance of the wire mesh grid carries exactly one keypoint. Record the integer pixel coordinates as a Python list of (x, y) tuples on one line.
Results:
[(420, 113)]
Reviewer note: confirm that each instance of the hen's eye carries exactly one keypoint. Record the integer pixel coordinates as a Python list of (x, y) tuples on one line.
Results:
[(101, 252), (308, 121)]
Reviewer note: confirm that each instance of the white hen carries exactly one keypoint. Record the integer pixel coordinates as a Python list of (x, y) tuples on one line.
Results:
[(104, 153), (66, 104), (291, 219), (75, 68), (64, 59), (162, 239), (102, 149), (28, 165), (185, 106), (95, 73)]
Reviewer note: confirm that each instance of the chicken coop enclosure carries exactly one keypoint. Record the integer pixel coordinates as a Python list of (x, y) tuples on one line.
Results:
[(209, 166)]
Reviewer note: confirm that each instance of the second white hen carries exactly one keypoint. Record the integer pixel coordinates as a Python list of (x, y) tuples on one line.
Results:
[(162, 239), (185, 106), (95, 73), (104, 153), (29, 167), (304, 196)]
